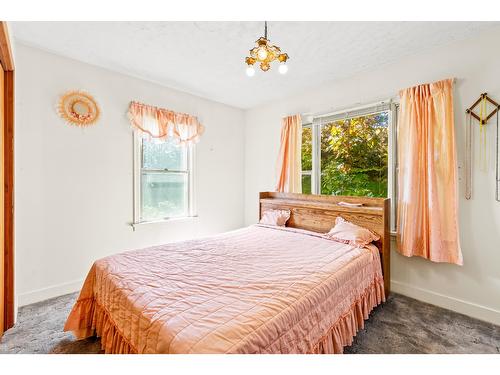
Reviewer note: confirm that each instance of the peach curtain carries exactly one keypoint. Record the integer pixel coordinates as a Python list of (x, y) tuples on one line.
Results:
[(427, 179), (160, 123), (289, 157)]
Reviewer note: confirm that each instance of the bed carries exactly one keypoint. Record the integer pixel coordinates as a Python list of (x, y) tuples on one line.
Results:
[(259, 289)]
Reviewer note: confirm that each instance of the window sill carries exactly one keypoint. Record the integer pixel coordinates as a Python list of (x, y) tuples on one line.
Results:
[(163, 221)]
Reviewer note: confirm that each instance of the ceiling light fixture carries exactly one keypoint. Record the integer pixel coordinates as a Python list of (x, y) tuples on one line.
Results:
[(265, 53)]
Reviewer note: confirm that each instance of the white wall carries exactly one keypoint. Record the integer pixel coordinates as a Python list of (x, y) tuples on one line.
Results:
[(473, 289), (74, 186)]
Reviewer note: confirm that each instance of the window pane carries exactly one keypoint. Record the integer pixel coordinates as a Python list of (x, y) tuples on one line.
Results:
[(306, 149), (354, 156), (163, 155), (306, 184), (164, 195)]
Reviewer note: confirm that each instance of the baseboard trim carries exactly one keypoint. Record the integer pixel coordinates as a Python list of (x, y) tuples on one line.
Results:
[(463, 307), (43, 294)]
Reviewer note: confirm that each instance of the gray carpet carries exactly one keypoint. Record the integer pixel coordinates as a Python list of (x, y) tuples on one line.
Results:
[(401, 325)]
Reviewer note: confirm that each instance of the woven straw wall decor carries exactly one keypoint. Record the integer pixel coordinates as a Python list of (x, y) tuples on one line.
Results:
[(78, 108)]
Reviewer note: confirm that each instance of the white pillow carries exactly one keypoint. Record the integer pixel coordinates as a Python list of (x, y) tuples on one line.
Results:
[(275, 217)]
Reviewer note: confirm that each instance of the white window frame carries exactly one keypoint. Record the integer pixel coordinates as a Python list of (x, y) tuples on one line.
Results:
[(137, 140), (317, 122)]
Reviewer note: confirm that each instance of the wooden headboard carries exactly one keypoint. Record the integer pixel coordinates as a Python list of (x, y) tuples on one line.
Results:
[(317, 213)]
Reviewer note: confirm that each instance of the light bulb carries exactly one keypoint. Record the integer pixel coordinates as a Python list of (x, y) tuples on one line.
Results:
[(250, 71), (283, 68), (262, 53)]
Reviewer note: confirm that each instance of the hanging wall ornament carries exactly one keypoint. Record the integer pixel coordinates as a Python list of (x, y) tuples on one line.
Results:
[(482, 117), (78, 108)]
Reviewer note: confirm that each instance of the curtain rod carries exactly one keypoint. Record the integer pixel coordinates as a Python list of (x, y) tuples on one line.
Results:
[(394, 99), (349, 109)]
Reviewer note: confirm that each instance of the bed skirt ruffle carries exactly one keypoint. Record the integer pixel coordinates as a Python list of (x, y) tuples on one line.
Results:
[(342, 333), (88, 319), (94, 320)]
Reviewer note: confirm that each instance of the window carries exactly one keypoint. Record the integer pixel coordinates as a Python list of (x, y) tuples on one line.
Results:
[(163, 180), (351, 153), (306, 158)]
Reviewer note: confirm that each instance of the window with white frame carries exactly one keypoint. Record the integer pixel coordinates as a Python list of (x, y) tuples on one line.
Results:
[(163, 181), (351, 153)]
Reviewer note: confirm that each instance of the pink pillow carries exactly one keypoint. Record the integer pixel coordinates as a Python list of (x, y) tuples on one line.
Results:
[(347, 232), (275, 217)]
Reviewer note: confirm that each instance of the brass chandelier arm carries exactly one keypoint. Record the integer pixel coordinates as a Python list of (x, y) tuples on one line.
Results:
[(265, 53)]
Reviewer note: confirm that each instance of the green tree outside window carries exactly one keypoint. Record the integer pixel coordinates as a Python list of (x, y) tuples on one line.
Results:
[(354, 156)]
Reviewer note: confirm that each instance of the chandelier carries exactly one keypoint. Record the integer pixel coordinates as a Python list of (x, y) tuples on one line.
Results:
[(265, 53)]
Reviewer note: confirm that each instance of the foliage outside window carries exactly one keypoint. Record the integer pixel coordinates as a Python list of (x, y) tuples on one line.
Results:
[(306, 159), (352, 158), (164, 180)]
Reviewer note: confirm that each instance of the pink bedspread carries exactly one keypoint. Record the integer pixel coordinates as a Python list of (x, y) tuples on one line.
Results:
[(254, 290)]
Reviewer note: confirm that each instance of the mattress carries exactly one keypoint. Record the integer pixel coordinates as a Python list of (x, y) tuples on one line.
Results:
[(259, 289)]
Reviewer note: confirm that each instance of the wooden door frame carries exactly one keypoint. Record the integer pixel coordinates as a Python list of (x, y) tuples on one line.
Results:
[(7, 62)]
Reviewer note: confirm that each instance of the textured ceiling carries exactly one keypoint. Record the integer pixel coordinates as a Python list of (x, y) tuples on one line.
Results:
[(207, 58)]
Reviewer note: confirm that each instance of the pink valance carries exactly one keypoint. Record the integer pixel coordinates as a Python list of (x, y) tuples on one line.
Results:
[(161, 123)]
